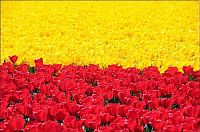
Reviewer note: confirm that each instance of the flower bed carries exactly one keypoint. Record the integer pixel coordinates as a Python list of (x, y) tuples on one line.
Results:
[(88, 98), (129, 33)]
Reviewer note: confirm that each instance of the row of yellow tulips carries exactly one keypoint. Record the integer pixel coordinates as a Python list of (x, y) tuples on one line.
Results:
[(127, 33)]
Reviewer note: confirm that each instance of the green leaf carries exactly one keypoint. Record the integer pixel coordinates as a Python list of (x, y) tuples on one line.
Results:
[(191, 78), (140, 72), (31, 70), (26, 118), (103, 124), (115, 100), (147, 108), (89, 130), (71, 98), (166, 96), (78, 117), (36, 90), (132, 93), (15, 66), (60, 121), (33, 92), (54, 74), (94, 83), (148, 128), (106, 102), (174, 106)]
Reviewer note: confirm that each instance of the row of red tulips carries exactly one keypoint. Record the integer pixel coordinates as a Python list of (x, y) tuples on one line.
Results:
[(88, 98)]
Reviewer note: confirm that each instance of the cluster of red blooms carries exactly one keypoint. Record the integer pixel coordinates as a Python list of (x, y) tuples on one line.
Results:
[(88, 98)]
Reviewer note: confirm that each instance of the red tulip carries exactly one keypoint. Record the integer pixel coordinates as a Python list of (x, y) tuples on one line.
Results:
[(13, 58), (16, 123), (188, 70), (39, 63)]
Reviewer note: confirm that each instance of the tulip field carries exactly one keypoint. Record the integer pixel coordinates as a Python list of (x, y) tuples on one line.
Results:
[(100, 66)]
